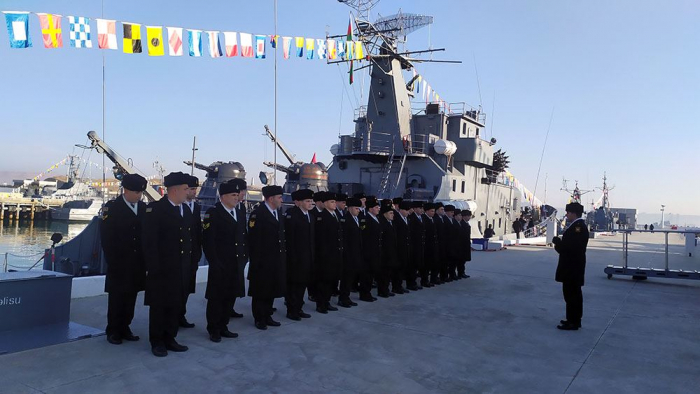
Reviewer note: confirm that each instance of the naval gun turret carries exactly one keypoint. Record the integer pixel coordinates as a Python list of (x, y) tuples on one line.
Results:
[(217, 173), (299, 175)]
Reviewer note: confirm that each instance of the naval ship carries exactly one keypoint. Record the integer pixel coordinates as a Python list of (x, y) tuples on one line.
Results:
[(436, 153)]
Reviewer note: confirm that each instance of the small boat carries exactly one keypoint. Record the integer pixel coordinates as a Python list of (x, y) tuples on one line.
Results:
[(79, 210)]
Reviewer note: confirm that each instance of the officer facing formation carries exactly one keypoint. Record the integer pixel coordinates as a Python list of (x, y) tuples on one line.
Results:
[(300, 241), (120, 233), (196, 227), (225, 250), (572, 265), (267, 274), (167, 245)]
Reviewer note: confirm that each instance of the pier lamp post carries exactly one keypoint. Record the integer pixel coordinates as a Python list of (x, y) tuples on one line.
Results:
[(663, 207)]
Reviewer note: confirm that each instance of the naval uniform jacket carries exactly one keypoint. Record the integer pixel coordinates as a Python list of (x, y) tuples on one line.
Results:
[(224, 251), (442, 235), (466, 236), (432, 246), (403, 240), (371, 244), (267, 273), (299, 236), (120, 234), (242, 239), (390, 258), (167, 247), (352, 248), (196, 243), (328, 265), (456, 245), (417, 228), (572, 253)]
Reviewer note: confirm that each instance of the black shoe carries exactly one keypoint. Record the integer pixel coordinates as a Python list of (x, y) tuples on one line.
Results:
[(260, 325), (331, 308), (129, 336), (304, 315), (391, 294), (185, 324), (353, 303), (293, 316), (465, 276), (567, 322), (159, 351), (568, 327), (418, 287), (271, 322), (345, 304), (427, 285), (274, 309), (176, 347), (236, 314), (114, 339), (412, 288), (383, 295), (228, 334), (215, 337), (366, 298), (321, 310)]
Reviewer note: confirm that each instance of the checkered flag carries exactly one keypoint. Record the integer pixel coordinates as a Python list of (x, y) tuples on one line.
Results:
[(80, 32)]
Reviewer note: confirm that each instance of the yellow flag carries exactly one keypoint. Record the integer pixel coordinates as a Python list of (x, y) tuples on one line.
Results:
[(132, 37), (359, 54), (154, 35)]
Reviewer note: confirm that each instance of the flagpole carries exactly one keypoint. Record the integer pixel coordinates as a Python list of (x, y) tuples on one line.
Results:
[(274, 173), (104, 176)]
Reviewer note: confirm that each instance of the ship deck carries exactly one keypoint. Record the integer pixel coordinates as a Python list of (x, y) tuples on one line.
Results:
[(494, 332)]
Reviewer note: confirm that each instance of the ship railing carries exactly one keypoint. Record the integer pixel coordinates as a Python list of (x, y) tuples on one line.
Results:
[(459, 108), (361, 112), (384, 143)]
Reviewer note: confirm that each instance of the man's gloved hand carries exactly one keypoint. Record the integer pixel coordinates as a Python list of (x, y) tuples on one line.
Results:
[(556, 240)]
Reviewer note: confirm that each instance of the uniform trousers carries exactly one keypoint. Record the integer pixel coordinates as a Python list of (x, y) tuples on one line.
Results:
[(218, 314), (574, 302), (295, 297), (366, 279), (346, 283), (324, 290), (163, 323), (262, 308), (383, 278), (120, 312)]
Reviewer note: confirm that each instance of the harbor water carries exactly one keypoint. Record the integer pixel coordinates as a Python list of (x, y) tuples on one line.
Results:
[(22, 244)]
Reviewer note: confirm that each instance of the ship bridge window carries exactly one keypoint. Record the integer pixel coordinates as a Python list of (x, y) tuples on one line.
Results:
[(464, 129), (463, 185), (454, 185)]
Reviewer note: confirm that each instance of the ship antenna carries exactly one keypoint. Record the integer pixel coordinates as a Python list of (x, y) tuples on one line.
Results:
[(543, 148), (478, 84)]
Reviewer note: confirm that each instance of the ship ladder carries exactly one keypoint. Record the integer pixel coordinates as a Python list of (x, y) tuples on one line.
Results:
[(384, 184), (398, 178)]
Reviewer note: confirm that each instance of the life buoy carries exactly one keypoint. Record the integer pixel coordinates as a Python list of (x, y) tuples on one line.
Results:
[(406, 143)]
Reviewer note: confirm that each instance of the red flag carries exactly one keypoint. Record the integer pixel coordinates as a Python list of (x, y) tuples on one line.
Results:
[(313, 159), (349, 38)]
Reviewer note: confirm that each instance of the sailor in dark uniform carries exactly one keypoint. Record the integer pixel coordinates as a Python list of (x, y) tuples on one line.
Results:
[(363, 207), (299, 236), (328, 264), (443, 239), (243, 245), (454, 248), (417, 261), (341, 205), (196, 227), (390, 259), (352, 251), (267, 273), (167, 246), (371, 249), (318, 202), (467, 240), (432, 246), (225, 250), (120, 233), (403, 247), (572, 265)]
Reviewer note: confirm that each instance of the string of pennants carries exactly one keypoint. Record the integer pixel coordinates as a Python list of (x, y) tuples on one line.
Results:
[(60, 163), (509, 179), (235, 43)]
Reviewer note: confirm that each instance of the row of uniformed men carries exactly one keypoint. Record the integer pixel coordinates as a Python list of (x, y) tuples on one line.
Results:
[(339, 241)]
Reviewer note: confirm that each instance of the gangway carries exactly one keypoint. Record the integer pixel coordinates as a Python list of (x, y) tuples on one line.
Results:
[(645, 273)]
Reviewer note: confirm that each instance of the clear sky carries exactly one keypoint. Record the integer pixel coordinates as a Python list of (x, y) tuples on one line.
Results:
[(623, 78)]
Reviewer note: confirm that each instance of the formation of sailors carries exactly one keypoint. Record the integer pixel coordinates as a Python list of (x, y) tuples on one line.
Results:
[(328, 245)]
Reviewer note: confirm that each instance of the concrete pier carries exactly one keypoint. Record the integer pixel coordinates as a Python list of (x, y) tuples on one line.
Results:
[(492, 333)]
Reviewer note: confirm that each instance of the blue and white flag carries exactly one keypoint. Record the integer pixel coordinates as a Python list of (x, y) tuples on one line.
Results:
[(321, 48), (259, 46), (214, 44), (194, 38), (80, 32), (341, 49), (18, 29)]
